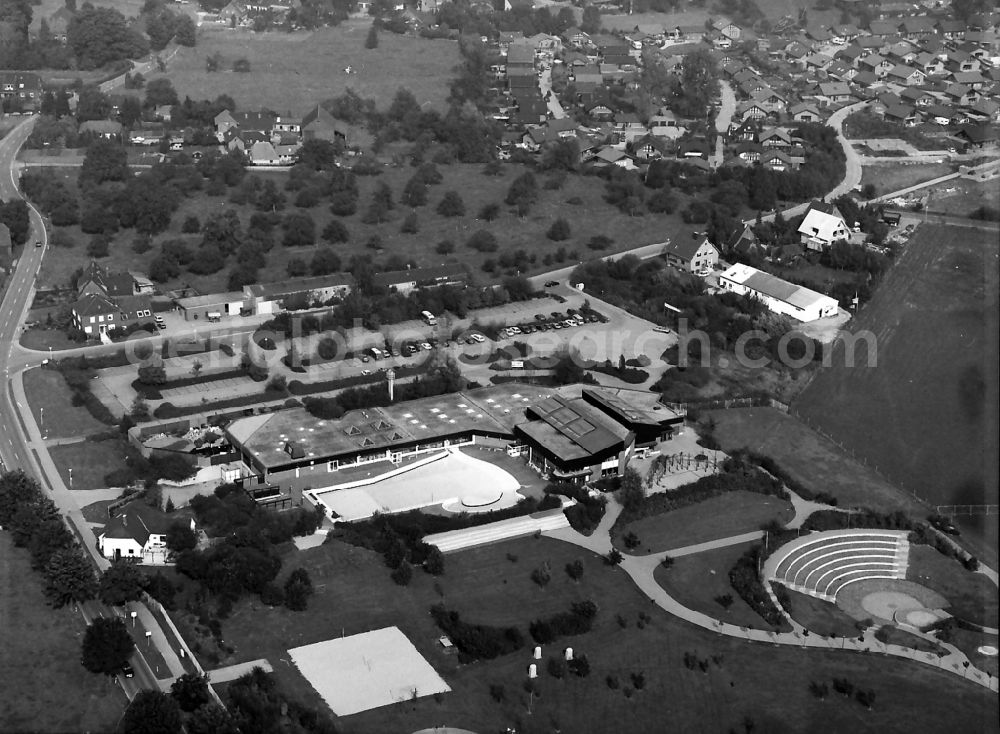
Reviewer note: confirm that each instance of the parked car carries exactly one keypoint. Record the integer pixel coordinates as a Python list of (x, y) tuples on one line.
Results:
[(127, 670), (551, 283), (426, 346), (478, 338)]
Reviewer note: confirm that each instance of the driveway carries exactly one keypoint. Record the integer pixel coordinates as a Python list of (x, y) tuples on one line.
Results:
[(726, 110)]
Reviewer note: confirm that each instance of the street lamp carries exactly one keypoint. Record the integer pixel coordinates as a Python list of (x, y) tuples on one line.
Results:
[(71, 478)]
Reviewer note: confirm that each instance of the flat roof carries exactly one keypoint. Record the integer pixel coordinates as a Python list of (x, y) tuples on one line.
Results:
[(290, 435), (636, 406), (210, 299)]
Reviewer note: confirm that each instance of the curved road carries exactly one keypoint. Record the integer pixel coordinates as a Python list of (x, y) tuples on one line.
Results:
[(15, 435)]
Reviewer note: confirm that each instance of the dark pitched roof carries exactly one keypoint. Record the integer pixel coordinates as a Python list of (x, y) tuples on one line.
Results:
[(683, 247), (421, 275)]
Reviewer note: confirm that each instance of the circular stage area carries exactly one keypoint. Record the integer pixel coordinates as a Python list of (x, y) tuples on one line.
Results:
[(891, 600), (987, 650)]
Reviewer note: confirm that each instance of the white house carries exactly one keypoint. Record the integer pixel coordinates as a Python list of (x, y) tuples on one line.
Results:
[(140, 532), (691, 255), (823, 225), (778, 295)]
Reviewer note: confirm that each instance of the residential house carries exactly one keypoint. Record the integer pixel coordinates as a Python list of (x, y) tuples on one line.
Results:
[(952, 29), (728, 29), (650, 148), (20, 91), (610, 156), (875, 63), (817, 62), (100, 281), (960, 95), (819, 33), (107, 129), (770, 101), (749, 151), (805, 112), (942, 115), (775, 137), (865, 79), (778, 295), (693, 149), (918, 97), (918, 26), (822, 225), (843, 33), (776, 160), (972, 79), (884, 28), (507, 38), (287, 124), (59, 23), (977, 136), (628, 127), (665, 124), (902, 114), (746, 131), (985, 110), (691, 255), (930, 64), (96, 314), (870, 44), (262, 153), (139, 532), (520, 56), (850, 55), (750, 111), (318, 124), (833, 93), (573, 36), (907, 75), (747, 244)]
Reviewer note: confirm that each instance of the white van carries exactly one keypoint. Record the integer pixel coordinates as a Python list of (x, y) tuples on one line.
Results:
[(429, 318)]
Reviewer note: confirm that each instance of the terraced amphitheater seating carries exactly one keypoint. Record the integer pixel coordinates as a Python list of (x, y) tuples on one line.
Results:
[(822, 564)]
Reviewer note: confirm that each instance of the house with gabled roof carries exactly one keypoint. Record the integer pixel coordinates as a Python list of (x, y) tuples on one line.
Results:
[(884, 28), (139, 532), (952, 28), (960, 95), (805, 112), (775, 137), (822, 225), (20, 91), (850, 54), (917, 26), (907, 75), (902, 114), (691, 255)]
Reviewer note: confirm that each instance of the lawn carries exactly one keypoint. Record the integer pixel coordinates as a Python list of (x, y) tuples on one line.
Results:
[(45, 688), (46, 391), (820, 617), (961, 197), (89, 461), (926, 414), (40, 339), (889, 177), (293, 72), (973, 597), (810, 458), (895, 636), (590, 215), (969, 642), (733, 513), (696, 580), (744, 680)]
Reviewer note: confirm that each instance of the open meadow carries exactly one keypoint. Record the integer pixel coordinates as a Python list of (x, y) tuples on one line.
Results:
[(51, 404), (732, 513), (743, 682), (45, 688), (889, 177), (926, 413), (580, 201), (293, 72)]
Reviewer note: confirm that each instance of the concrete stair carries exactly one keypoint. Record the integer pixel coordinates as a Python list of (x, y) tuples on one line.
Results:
[(515, 527)]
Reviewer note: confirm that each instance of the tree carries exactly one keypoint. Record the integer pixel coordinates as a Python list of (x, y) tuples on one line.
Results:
[(185, 32), (575, 569), (241, 66), (591, 23), (100, 36), (69, 577), (402, 574), (451, 205), (522, 192), (632, 494), (151, 712), (371, 41), (300, 230), (298, 589), (698, 84), (190, 691), (483, 241), (180, 537), (105, 161), (211, 719), (107, 646), (160, 91), (335, 231), (559, 230), (434, 563), (122, 582), (415, 191)]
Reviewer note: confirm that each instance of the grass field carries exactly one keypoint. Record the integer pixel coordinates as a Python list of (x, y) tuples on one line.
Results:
[(589, 217), (729, 514), (810, 458), (820, 617), (89, 460), (45, 689), (973, 597), (746, 681), (696, 580), (895, 636), (926, 415), (292, 72), (895, 176), (46, 391), (962, 197)]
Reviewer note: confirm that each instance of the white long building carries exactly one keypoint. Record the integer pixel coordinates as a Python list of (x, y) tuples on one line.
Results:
[(778, 295)]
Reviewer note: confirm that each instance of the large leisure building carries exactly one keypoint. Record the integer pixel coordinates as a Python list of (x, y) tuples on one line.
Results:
[(575, 433)]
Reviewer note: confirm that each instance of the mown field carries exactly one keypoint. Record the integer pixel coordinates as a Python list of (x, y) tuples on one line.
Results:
[(762, 684), (45, 689), (588, 215), (888, 177), (292, 72), (926, 413)]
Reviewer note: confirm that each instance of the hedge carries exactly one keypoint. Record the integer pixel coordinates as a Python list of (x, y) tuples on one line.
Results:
[(745, 580), (169, 410), (476, 641), (153, 392), (577, 621), (631, 375), (296, 387)]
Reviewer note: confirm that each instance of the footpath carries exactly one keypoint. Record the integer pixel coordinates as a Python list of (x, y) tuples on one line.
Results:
[(641, 568)]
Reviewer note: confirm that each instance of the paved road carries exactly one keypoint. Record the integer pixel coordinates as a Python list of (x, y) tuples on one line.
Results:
[(21, 444), (553, 103), (727, 109)]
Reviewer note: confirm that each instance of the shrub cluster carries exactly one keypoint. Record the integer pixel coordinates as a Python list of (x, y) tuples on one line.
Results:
[(577, 621), (746, 582), (476, 641), (586, 514)]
